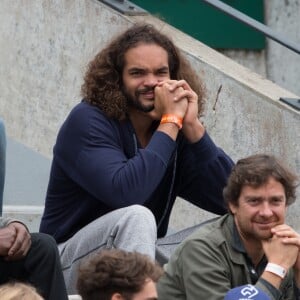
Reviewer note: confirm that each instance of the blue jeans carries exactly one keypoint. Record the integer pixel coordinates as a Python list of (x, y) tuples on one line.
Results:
[(2, 162)]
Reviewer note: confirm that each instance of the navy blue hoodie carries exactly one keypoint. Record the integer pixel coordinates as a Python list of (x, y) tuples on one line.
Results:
[(98, 166)]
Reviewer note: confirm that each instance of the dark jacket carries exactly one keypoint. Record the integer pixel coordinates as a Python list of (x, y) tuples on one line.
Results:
[(212, 261), (99, 166)]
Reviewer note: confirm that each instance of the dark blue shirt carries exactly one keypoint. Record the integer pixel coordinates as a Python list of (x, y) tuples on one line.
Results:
[(99, 166)]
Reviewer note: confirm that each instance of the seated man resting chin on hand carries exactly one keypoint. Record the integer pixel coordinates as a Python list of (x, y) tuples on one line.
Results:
[(251, 244)]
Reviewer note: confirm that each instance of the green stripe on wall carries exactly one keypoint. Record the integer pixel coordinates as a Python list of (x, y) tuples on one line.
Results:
[(207, 24)]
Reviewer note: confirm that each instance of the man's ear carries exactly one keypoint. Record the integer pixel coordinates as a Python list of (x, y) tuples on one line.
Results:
[(117, 296), (232, 208)]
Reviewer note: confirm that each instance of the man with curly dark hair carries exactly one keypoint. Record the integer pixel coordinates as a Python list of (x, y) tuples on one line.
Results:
[(133, 144), (117, 274)]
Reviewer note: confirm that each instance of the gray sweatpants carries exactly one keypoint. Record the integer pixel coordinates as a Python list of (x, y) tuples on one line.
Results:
[(131, 228)]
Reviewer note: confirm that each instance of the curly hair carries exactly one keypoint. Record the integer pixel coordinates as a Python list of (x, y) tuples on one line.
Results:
[(255, 171), (116, 271), (103, 79)]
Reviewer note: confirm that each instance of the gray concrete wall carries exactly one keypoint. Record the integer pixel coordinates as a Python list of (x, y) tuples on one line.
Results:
[(283, 65), (278, 63), (45, 45)]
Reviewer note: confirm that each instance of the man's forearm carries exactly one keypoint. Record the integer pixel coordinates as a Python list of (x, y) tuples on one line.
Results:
[(193, 132)]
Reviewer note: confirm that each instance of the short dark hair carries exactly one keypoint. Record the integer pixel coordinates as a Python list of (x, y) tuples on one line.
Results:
[(103, 86), (255, 171), (116, 271)]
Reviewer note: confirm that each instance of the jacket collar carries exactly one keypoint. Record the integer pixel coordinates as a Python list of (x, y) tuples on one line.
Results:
[(238, 253), (236, 249)]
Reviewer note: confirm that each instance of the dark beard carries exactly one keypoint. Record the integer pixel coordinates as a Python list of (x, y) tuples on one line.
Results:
[(135, 103)]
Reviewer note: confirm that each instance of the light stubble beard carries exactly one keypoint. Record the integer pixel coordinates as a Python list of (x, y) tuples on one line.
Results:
[(134, 102)]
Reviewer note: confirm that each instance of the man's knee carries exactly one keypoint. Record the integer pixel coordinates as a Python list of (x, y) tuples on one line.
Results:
[(44, 243), (141, 212)]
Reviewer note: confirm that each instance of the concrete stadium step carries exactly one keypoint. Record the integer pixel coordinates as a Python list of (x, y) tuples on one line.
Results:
[(26, 180), (29, 215)]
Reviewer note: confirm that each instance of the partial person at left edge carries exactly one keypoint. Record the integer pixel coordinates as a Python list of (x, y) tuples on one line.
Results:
[(2, 162), (30, 258)]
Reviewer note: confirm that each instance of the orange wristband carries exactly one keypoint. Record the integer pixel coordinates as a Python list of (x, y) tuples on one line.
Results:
[(170, 118)]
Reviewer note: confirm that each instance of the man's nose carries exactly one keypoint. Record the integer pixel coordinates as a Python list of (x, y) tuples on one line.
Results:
[(265, 209), (151, 80)]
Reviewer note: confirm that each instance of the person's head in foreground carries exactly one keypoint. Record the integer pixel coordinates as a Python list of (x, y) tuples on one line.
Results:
[(18, 291), (246, 292), (118, 275)]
